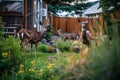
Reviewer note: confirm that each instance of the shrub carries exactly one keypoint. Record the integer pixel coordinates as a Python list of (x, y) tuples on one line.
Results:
[(43, 48), (64, 45), (60, 44), (104, 60), (67, 46), (9, 54)]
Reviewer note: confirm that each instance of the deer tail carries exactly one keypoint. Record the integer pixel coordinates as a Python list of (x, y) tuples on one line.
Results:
[(22, 35)]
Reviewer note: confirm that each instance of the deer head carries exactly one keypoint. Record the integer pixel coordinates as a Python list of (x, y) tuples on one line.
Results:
[(59, 32)]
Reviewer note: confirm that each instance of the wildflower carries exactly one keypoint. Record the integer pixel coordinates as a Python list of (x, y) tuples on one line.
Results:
[(21, 65), (40, 70), (33, 62), (21, 71), (50, 66), (5, 54), (31, 70)]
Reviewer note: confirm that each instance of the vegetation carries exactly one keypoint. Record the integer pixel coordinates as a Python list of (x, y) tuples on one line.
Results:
[(106, 5), (9, 54), (101, 63), (96, 63), (43, 48), (77, 7)]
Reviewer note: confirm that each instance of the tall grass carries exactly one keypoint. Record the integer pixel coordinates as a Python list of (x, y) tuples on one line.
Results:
[(104, 60)]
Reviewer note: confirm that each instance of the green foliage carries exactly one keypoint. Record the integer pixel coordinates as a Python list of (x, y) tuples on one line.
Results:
[(106, 4), (9, 54), (77, 7), (67, 46), (48, 33), (60, 44), (35, 69), (102, 63), (64, 45), (104, 60), (43, 48)]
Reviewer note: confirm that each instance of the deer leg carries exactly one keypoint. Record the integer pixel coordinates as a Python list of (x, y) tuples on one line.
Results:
[(25, 46), (36, 49), (25, 49), (31, 49), (20, 45), (95, 41)]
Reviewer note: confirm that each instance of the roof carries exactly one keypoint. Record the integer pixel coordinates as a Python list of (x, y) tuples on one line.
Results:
[(93, 9)]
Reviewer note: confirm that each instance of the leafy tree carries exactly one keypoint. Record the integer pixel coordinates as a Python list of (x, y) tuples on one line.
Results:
[(106, 4), (65, 2), (69, 5)]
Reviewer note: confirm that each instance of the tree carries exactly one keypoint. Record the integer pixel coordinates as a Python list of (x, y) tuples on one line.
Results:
[(106, 5), (69, 5), (66, 2)]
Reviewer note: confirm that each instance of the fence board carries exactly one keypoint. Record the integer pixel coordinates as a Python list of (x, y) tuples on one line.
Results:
[(71, 25)]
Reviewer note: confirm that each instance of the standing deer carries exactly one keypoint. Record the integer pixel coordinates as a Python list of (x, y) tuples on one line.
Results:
[(66, 36), (30, 36), (85, 34)]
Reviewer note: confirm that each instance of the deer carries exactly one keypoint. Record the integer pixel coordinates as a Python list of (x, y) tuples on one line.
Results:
[(66, 36), (30, 36), (85, 34)]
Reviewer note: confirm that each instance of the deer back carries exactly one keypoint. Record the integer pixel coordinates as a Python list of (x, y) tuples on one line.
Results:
[(36, 36)]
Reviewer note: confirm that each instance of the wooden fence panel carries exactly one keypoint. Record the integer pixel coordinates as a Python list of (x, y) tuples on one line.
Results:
[(72, 25)]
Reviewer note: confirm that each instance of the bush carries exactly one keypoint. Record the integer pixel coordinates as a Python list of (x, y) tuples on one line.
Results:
[(67, 46), (43, 48), (9, 54), (64, 45), (104, 60), (60, 44)]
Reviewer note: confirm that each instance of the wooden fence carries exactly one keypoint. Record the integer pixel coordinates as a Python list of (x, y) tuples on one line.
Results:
[(71, 25)]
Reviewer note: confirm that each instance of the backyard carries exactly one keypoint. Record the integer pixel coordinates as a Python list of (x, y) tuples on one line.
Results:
[(59, 55), (98, 62)]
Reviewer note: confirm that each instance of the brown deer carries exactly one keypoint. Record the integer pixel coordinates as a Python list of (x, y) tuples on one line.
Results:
[(30, 36), (85, 34), (66, 36)]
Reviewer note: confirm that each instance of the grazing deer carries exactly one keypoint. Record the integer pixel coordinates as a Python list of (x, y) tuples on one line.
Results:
[(30, 36), (66, 36)]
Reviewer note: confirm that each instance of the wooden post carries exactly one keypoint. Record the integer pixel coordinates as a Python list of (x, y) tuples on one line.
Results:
[(32, 10), (25, 14)]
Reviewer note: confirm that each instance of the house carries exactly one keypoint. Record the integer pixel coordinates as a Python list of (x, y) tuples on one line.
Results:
[(28, 13), (93, 11)]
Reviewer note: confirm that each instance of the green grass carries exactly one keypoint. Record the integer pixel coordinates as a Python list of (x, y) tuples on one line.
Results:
[(43, 56)]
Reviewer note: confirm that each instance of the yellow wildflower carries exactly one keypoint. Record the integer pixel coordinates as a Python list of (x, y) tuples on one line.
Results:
[(50, 66), (33, 62), (41, 70), (5, 54), (31, 70), (21, 65), (21, 71)]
